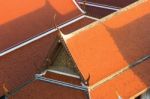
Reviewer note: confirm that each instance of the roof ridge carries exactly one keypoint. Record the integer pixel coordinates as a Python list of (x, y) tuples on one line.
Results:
[(102, 20), (65, 46)]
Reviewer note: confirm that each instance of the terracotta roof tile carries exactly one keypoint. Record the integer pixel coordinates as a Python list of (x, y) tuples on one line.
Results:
[(43, 90), (64, 78), (105, 48), (127, 84), (21, 65), (21, 20)]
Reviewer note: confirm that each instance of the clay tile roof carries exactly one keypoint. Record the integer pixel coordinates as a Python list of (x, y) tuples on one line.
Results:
[(43, 90), (21, 20), (64, 78), (103, 48), (130, 83), (21, 65)]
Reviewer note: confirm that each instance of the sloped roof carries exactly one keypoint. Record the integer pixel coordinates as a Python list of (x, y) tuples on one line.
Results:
[(23, 20), (43, 90), (20, 66), (130, 83), (102, 49), (93, 43), (64, 78)]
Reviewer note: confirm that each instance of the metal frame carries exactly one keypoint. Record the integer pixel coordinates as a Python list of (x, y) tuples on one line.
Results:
[(63, 73), (104, 6), (61, 83), (37, 37)]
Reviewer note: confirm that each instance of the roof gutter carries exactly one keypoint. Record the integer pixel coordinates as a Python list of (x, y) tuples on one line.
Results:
[(61, 83), (100, 6)]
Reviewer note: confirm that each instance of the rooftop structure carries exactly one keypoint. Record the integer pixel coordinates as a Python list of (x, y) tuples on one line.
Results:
[(71, 52)]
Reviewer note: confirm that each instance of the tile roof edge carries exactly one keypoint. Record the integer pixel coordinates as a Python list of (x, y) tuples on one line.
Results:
[(39, 36), (77, 5), (64, 74), (20, 87), (38, 77), (62, 40), (61, 83), (139, 93), (100, 21), (135, 63)]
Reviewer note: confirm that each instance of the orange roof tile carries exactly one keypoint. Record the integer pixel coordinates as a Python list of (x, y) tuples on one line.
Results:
[(43, 90), (22, 64), (105, 48), (21, 20), (63, 78), (127, 84)]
